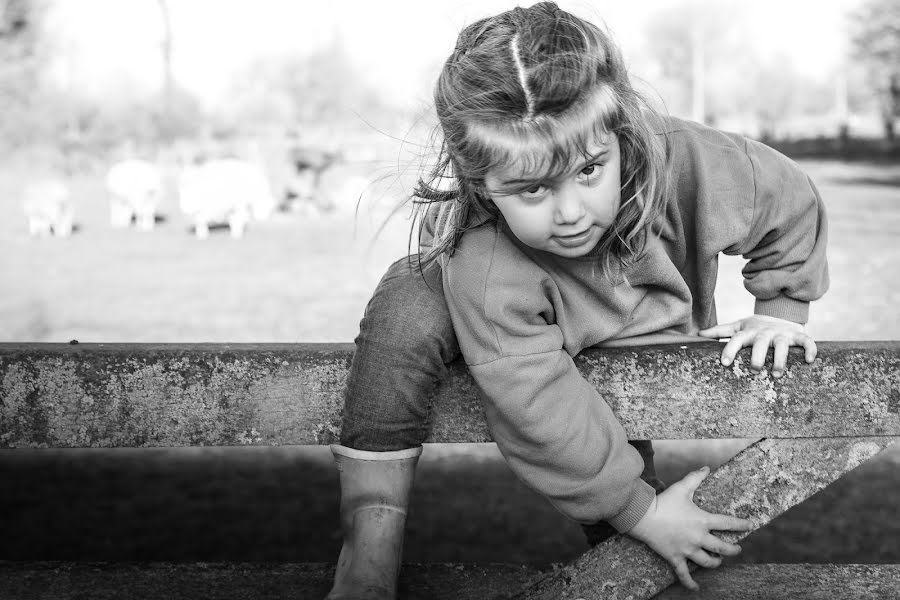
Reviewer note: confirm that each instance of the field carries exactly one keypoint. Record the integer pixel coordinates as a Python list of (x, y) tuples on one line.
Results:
[(307, 279)]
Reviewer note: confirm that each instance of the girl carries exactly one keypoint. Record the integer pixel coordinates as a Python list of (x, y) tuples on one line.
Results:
[(563, 214)]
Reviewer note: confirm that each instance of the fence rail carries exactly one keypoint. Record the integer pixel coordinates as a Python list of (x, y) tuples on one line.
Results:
[(134, 395), (818, 421), (311, 581)]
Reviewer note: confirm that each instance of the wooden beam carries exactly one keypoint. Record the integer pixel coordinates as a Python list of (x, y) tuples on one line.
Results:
[(759, 484), (242, 581), (261, 581), (792, 582), (99, 395)]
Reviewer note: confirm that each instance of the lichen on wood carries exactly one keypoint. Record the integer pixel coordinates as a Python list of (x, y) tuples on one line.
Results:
[(760, 483), (56, 395)]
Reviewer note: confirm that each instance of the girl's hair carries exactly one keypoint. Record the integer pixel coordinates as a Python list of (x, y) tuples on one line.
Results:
[(533, 87)]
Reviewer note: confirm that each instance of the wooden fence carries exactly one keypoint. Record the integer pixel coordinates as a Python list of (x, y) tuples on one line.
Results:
[(815, 423)]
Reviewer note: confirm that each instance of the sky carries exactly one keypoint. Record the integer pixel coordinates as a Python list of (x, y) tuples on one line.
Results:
[(398, 43)]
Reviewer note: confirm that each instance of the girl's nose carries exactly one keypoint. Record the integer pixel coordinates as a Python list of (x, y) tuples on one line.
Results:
[(569, 207)]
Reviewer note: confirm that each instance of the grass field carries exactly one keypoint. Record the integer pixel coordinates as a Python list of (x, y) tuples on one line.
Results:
[(307, 279)]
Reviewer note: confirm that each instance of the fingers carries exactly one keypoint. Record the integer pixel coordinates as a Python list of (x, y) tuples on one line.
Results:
[(760, 350), (684, 575), (761, 341), (810, 349), (782, 343), (692, 480), (779, 358), (729, 523), (705, 560), (733, 346), (723, 330), (712, 543), (702, 557)]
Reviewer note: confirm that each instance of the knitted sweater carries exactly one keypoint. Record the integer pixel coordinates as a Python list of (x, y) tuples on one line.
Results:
[(521, 314)]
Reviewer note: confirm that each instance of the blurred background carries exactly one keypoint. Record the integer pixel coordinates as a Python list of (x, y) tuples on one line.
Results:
[(236, 171)]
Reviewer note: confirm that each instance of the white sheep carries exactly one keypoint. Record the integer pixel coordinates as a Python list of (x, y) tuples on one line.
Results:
[(226, 190), (135, 188), (48, 207)]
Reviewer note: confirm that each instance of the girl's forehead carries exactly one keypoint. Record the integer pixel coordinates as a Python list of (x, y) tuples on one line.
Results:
[(548, 144), (531, 161)]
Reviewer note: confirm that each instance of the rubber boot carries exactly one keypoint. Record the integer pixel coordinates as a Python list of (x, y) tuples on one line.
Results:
[(375, 489)]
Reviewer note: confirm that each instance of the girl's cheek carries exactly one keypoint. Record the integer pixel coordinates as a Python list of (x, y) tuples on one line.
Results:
[(536, 224), (612, 207), (532, 224)]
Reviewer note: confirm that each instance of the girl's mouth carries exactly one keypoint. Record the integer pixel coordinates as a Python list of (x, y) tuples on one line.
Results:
[(573, 241)]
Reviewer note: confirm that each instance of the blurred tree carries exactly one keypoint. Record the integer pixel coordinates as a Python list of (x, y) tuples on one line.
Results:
[(774, 93), (21, 59), (319, 92), (685, 38), (15, 16), (875, 36), (46, 111), (18, 44), (327, 85), (167, 117), (714, 66)]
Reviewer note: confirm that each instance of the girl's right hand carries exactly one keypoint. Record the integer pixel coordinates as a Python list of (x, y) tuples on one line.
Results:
[(677, 529)]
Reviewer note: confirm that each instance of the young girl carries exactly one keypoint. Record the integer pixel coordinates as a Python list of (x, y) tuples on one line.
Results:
[(564, 214)]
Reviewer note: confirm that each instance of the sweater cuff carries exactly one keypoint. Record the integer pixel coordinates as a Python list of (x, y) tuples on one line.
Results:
[(641, 498), (782, 307)]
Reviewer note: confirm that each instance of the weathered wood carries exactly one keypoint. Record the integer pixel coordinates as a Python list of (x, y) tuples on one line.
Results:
[(98, 395), (793, 582), (252, 581), (174, 395), (241, 581), (760, 483)]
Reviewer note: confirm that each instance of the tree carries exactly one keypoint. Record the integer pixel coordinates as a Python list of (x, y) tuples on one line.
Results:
[(875, 40), (21, 59), (322, 90), (168, 92), (686, 38)]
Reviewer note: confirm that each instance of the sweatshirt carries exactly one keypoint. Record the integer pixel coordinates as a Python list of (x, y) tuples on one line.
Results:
[(521, 314)]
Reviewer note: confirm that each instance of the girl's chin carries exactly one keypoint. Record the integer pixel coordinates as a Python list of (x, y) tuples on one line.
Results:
[(577, 245)]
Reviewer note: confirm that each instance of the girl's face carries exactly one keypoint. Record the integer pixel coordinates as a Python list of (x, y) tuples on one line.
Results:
[(566, 216)]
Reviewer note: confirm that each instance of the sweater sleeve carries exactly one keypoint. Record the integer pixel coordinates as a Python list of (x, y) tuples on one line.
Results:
[(740, 197), (554, 429), (785, 244)]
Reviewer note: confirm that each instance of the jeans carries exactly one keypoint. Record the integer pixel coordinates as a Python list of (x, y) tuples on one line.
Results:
[(405, 341)]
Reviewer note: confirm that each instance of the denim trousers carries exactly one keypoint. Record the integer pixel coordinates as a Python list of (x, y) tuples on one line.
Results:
[(405, 342)]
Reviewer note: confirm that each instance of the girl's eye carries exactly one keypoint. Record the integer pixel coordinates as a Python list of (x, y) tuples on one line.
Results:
[(590, 173), (591, 169), (535, 191)]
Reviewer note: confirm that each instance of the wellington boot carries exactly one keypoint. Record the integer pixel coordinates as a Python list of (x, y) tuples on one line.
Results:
[(375, 490)]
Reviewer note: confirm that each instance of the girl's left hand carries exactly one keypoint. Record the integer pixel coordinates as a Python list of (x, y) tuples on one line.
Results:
[(762, 331)]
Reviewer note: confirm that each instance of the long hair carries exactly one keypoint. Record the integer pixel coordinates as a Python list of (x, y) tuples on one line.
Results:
[(535, 86)]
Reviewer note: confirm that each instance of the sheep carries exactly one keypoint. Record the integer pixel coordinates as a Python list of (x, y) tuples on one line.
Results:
[(48, 207), (227, 190), (135, 188)]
